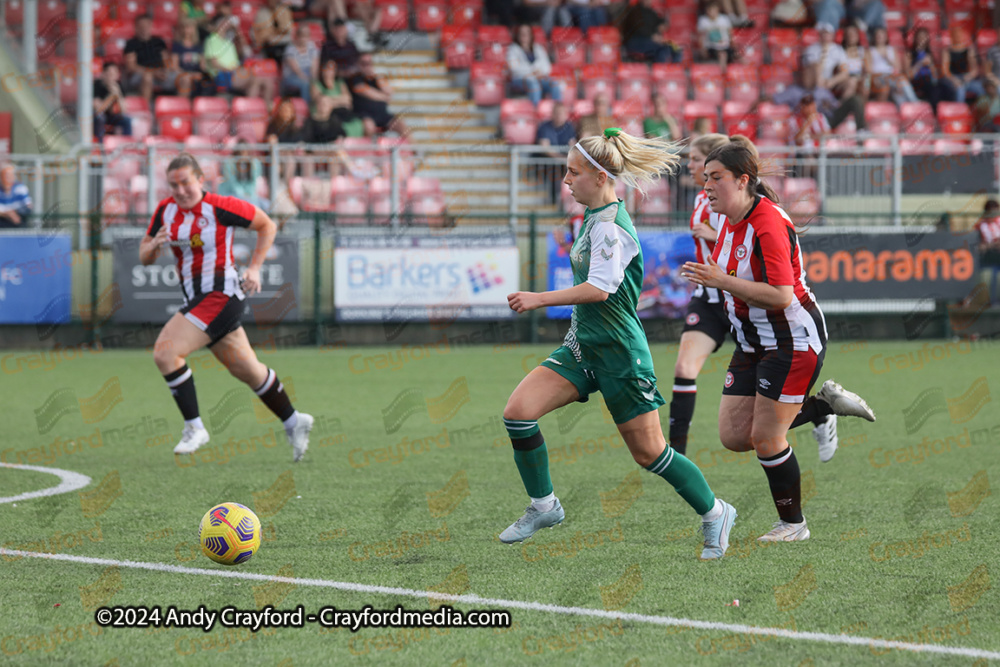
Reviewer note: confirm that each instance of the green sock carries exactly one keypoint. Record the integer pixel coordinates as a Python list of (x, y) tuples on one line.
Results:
[(686, 479), (531, 457)]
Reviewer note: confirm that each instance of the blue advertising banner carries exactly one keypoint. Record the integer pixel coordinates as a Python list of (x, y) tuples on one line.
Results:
[(664, 292), (35, 273)]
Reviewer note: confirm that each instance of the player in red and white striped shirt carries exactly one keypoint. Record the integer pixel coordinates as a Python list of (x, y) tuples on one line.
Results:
[(989, 244), (780, 330), (705, 323), (198, 227)]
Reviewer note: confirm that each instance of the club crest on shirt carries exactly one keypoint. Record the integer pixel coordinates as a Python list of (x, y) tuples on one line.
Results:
[(741, 252), (692, 319), (729, 379), (201, 223), (610, 242)]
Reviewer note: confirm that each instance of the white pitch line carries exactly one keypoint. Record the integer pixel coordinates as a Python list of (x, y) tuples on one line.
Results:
[(820, 637), (69, 481)]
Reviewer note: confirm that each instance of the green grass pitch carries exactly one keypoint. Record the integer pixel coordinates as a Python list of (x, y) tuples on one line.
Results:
[(409, 478)]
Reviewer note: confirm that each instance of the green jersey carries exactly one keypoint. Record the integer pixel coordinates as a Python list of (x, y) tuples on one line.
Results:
[(607, 336)]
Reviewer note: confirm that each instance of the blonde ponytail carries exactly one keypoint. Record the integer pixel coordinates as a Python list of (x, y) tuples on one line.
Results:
[(636, 161)]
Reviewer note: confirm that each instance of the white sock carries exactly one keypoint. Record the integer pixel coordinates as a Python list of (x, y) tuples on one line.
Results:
[(544, 504), (194, 423), (291, 421), (714, 513)]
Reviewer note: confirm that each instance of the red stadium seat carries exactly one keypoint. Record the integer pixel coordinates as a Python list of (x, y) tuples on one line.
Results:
[(801, 198), (738, 119), (566, 77), (129, 10), (634, 82), (424, 196), (748, 45), (597, 79), (783, 43), (895, 20), (810, 36), (14, 13), (629, 114), (657, 198), (929, 20), (567, 43), (924, 6), (246, 12), (743, 82), (212, 117), (875, 144), (882, 118), (916, 146), (114, 43), (168, 11), (695, 109), (604, 44), (250, 118), (544, 110), (955, 117), (776, 78), (487, 83), (176, 127), (985, 40), (518, 119), (917, 117), (431, 14), (581, 108), (142, 120), (114, 200), (670, 82), (706, 79), (380, 197), (317, 33), (395, 15), (167, 105), (459, 46), (774, 121), (350, 199), (466, 13), (493, 42), (958, 147)]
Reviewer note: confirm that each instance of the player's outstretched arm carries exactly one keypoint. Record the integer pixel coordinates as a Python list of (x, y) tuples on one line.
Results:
[(583, 293)]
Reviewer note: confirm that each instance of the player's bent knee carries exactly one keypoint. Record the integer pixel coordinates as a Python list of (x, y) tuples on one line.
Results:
[(736, 442)]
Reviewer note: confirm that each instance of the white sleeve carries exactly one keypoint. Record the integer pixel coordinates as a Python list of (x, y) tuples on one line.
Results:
[(611, 251)]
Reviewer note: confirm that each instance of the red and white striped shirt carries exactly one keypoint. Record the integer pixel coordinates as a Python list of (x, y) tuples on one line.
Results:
[(202, 241), (989, 230), (763, 247), (703, 249)]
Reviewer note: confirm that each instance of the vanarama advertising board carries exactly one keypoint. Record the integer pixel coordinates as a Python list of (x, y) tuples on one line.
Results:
[(424, 276)]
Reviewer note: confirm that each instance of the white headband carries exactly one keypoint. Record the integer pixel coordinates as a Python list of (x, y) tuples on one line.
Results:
[(593, 161)]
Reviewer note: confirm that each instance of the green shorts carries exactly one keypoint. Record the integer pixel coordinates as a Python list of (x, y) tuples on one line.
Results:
[(626, 397)]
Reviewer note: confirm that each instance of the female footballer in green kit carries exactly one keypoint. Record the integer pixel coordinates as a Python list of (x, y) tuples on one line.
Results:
[(605, 349)]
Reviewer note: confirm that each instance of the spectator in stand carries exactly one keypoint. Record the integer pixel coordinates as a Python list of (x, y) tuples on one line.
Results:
[(372, 95), (714, 29), (222, 61), (108, 98), (587, 14), (556, 131), (989, 244), (272, 29), (146, 59), (187, 56), (323, 130), (225, 9), (960, 68), (15, 200), (808, 127), (332, 86), (855, 60), (661, 123), (366, 12), (339, 48), (835, 110), (545, 13), (991, 60), (283, 128), (886, 68), (195, 10), (500, 12), (301, 63), (700, 127), (921, 68), (736, 10), (987, 108), (530, 67), (595, 123), (828, 63), (864, 13), (644, 33), (241, 175)]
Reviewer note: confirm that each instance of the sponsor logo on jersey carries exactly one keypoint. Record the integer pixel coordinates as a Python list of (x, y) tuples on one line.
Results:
[(741, 252), (732, 272), (766, 384), (645, 384), (729, 379), (196, 241), (692, 319)]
